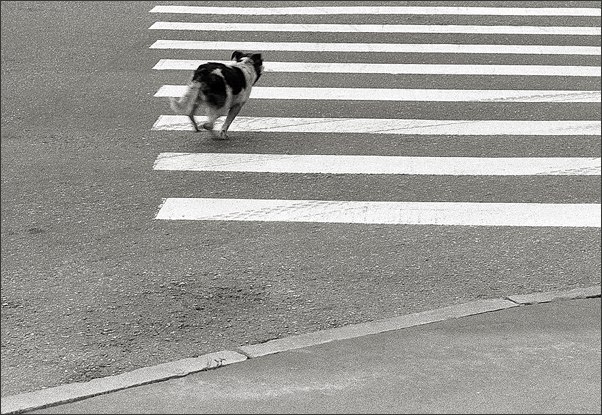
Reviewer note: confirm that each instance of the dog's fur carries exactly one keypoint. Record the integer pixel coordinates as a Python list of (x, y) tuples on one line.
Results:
[(221, 89)]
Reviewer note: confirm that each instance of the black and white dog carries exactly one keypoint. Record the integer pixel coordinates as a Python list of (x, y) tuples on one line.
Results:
[(221, 89)]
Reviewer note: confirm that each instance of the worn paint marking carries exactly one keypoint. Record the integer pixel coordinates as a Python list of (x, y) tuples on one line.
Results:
[(356, 164), (389, 126), (394, 213)]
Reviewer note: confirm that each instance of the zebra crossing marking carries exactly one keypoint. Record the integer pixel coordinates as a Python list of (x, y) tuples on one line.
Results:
[(405, 69), (389, 126), (383, 10), (368, 212), (372, 28), (382, 94), (376, 212), (376, 47), (358, 164)]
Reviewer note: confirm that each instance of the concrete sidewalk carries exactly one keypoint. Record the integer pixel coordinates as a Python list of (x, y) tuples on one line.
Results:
[(535, 353)]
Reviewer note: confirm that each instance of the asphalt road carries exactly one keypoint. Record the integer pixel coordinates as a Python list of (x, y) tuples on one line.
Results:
[(93, 285)]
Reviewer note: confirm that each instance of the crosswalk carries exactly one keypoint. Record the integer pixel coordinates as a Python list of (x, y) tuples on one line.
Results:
[(392, 126), (367, 28), (526, 71), (345, 164), (382, 94), (401, 69), (381, 10), (377, 47)]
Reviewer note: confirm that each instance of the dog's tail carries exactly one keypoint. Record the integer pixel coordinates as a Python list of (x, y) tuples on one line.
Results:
[(185, 104)]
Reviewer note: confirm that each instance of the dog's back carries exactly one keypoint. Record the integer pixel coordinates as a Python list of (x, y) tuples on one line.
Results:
[(221, 84)]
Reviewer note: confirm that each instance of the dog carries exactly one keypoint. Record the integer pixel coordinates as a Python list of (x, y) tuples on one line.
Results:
[(221, 89)]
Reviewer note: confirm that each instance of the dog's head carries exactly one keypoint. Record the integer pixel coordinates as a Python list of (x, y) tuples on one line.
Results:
[(254, 59)]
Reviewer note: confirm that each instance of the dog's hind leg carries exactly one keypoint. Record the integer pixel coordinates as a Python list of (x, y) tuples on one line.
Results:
[(191, 116), (234, 110)]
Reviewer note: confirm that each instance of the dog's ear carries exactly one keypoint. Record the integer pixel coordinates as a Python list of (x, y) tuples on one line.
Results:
[(237, 56), (257, 57)]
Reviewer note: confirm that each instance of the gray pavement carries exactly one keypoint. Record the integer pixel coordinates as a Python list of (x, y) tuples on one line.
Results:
[(536, 353)]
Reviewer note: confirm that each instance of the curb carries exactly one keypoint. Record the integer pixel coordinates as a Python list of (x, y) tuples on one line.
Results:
[(374, 327), (577, 293), (401, 322), (77, 391)]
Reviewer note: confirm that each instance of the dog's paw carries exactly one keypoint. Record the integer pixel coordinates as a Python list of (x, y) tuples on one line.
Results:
[(208, 126), (215, 135), (223, 135)]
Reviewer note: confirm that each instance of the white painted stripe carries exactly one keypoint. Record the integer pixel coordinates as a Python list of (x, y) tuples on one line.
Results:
[(386, 10), (376, 47), (381, 94), (352, 164), (395, 213), (406, 69), (388, 126), (373, 28)]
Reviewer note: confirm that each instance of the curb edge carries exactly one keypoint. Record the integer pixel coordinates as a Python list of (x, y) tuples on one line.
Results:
[(72, 392)]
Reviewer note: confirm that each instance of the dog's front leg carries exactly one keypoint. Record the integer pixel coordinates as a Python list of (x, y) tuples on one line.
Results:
[(234, 110), (196, 128)]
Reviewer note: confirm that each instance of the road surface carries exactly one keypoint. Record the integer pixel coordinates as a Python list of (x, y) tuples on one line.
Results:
[(490, 196)]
